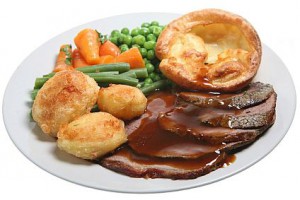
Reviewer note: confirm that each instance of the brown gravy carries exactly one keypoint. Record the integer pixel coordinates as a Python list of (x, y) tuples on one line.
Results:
[(148, 138), (150, 146), (187, 118)]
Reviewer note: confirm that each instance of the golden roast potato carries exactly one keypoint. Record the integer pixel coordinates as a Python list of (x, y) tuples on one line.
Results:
[(92, 135), (122, 101), (210, 50), (64, 97)]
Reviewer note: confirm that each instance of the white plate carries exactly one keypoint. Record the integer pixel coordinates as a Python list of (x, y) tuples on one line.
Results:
[(42, 150)]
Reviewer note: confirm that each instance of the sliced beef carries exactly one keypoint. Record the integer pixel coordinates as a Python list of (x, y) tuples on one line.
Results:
[(128, 162), (146, 137), (208, 127), (184, 121), (252, 117), (252, 95)]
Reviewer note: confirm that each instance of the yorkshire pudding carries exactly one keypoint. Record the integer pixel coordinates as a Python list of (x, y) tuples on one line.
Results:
[(210, 50)]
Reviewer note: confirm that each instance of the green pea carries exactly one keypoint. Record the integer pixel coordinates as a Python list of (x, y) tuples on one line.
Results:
[(134, 32), (125, 31), (115, 33), (156, 78), (144, 31), (136, 45), (121, 38), (149, 45), (154, 23), (127, 40), (139, 39), (143, 52), (150, 68), (114, 40), (150, 54), (152, 75), (146, 61), (151, 37), (156, 31), (148, 80), (124, 48), (146, 24), (151, 28)]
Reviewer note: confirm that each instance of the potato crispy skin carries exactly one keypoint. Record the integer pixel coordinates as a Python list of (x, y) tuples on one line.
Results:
[(63, 98), (122, 101), (92, 135)]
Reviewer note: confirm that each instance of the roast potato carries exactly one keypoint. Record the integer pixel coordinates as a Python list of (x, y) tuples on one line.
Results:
[(92, 135), (122, 101), (64, 97), (210, 50)]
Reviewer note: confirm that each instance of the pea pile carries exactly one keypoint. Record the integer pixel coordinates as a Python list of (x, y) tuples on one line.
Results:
[(144, 38)]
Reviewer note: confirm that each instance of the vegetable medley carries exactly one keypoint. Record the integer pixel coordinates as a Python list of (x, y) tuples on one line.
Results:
[(123, 57)]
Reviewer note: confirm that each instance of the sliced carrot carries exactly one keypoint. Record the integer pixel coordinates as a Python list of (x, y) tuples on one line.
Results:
[(64, 58), (78, 60), (87, 41), (133, 57), (109, 48), (107, 59)]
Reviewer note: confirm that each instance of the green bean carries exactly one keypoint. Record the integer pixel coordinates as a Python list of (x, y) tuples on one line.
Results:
[(129, 73), (136, 73), (120, 67), (117, 79), (34, 93), (140, 73), (154, 87), (49, 75), (98, 74), (39, 82)]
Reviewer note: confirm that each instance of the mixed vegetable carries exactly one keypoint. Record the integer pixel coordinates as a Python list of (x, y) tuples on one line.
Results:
[(123, 57)]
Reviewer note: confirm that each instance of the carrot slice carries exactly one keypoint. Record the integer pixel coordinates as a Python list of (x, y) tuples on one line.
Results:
[(133, 57), (107, 59), (64, 58), (109, 48), (87, 41), (78, 60)]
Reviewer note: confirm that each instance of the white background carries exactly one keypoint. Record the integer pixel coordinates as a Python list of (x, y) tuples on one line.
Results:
[(25, 25)]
